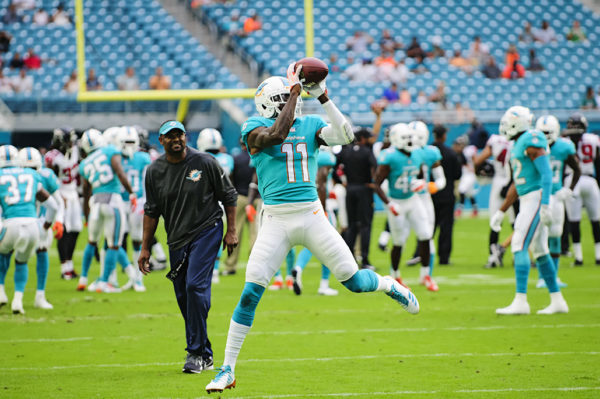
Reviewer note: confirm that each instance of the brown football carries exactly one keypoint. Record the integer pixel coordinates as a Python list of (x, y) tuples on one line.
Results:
[(313, 70)]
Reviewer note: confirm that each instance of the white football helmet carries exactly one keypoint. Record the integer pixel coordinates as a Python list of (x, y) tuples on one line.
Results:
[(129, 141), (502, 126), (91, 140), (30, 157), (518, 120), (420, 129), (550, 126), (111, 135), (271, 96), (9, 156), (403, 137), (209, 139)]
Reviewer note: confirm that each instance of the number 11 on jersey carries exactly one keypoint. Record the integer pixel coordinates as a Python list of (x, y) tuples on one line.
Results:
[(288, 150)]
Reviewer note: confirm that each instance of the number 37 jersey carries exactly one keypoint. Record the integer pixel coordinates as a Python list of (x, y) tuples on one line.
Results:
[(98, 171), (18, 188), (286, 172)]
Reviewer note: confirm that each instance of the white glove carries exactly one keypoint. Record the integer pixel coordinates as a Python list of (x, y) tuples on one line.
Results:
[(496, 221), (316, 90), (417, 185), (394, 208), (546, 215), (563, 194), (294, 77)]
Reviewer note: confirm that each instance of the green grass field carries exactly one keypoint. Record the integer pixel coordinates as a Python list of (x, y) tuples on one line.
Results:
[(131, 345)]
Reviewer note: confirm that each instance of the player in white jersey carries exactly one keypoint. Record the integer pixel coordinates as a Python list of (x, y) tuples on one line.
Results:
[(63, 159), (498, 148), (468, 179), (586, 193)]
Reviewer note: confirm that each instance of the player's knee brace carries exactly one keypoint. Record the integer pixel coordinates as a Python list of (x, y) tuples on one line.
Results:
[(362, 281), (244, 311)]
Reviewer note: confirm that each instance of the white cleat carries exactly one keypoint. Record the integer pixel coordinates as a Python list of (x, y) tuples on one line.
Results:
[(138, 286), (327, 291), (17, 305), (224, 380), (3, 297), (107, 288), (557, 306), (403, 296), (93, 286), (41, 302), (518, 306)]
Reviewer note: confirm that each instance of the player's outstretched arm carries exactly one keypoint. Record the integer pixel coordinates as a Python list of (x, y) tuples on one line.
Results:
[(338, 131), (483, 155)]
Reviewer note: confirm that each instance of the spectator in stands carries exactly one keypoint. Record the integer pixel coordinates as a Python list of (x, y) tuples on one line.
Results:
[(159, 81), (71, 85), (391, 94), (32, 60), (385, 64), (388, 42), (576, 34), (12, 15), (405, 98), (92, 82), (589, 100), (16, 61), (415, 50), (359, 42), (333, 63), (527, 35), (440, 94), (5, 39), (41, 17), (546, 34), (24, 4), (128, 81), (513, 69), (60, 16), (436, 48), (478, 52), (5, 84), (419, 66), (400, 73), (252, 23), (534, 62), (463, 113), (22, 83), (421, 98), (461, 62), (491, 70)]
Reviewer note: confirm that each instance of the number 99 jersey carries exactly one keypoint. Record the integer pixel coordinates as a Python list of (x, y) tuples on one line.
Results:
[(18, 188), (98, 171), (403, 169)]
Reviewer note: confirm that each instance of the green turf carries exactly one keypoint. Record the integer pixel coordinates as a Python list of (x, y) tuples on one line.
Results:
[(131, 345)]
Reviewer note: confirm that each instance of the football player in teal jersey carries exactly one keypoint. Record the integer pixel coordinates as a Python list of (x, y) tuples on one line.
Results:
[(401, 165), (20, 233), (102, 175), (325, 162), (30, 157), (562, 152), (211, 141), (532, 185), (283, 146), (432, 167)]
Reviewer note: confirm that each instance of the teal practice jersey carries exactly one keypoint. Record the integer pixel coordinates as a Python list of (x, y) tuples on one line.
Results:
[(18, 188), (430, 154), (525, 175), (98, 171), (287, 172), (135, 170), (559, 152), (403, 170), (50, 183), (225, 160)]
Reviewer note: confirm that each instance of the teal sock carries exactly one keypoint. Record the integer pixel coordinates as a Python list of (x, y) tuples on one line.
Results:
[(122, 258), (278, 273), (522, 265), (431, 263), (244, 311), (548, 272), (42, 266), (21, 274), (88, 255), (303, 258), (325, 272), (289, 260), (4, 265), (110, 262), (554, 246), (218, 260), (364, 280)]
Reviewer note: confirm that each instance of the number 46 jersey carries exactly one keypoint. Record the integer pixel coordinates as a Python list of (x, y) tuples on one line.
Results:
[(97, 170), (18, 188), (403, 169)]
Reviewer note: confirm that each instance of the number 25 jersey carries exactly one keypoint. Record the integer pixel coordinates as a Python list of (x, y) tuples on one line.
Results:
[(97, 170), (287, 172)]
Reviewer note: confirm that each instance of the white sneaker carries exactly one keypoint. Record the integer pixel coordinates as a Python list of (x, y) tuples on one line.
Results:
[(41, 302), (518, 306), (327, 291), (403, 296), (17, 304), (540, 283), (215, 276), (224, 380), (3, 297)]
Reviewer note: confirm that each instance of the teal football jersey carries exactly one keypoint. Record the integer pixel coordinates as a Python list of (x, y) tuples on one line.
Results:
[(325, 158), (135, 169), (287, 172), (49, 180), (403, 170), (430, 154), (18, 188), (98, 171), (226, 162), (525, 175), (559, 152)]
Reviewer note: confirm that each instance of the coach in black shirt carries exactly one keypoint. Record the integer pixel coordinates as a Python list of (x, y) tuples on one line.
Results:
[(359, 167), (443, 200), (184, 186)]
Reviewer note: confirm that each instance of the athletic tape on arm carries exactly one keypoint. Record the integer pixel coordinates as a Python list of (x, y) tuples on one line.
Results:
[(339, 131)]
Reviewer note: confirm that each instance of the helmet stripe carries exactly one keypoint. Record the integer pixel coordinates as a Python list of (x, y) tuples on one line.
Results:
[(90, 141), (7, 153), (29, 157)]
